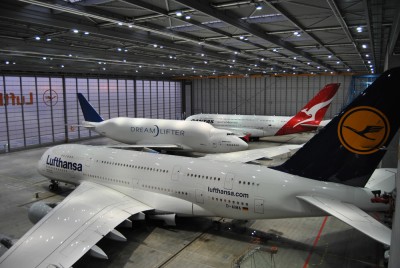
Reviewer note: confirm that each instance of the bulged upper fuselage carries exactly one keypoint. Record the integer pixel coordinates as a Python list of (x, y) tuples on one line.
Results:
[(193, 186), (191, 136)]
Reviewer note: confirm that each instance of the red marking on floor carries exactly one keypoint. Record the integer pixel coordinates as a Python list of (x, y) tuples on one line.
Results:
[(315, 242)]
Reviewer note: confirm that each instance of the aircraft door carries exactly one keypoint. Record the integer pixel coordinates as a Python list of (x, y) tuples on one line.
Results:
[(229, 181), (199, 196), (259, 206), (175, 173)]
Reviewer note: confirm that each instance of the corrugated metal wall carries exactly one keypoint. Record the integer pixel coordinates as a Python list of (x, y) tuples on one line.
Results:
[(264, 95)]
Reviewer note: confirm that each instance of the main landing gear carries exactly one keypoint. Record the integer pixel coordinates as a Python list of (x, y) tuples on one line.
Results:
[(53, 186)]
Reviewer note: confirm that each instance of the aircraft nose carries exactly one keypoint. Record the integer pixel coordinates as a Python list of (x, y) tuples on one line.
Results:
[(242, 144)]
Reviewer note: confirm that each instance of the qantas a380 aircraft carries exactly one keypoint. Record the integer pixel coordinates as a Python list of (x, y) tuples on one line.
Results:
[(257, 126), (161, 133), (331, 174)]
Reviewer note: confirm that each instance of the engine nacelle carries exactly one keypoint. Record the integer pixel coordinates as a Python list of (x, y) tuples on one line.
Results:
[(169, 219), (38, 210)]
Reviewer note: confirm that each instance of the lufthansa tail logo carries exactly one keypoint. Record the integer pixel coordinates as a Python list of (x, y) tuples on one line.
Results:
[(363, 130)]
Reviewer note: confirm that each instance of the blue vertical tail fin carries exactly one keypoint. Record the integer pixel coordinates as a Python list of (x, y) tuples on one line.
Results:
[(350, 147), (88, 111)]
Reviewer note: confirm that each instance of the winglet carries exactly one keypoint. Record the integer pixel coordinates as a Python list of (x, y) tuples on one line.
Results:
[(309, 117), (351, 146), (89, 113)]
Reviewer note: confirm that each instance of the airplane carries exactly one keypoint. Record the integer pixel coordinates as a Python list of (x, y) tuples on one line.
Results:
[(161, 134), (332, 174), (257, 126)]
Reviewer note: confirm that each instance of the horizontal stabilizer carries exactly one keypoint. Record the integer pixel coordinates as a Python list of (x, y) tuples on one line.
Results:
[(353, 216), (249, 156)]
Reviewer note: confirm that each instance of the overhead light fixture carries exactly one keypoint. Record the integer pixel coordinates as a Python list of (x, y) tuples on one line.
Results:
[(359, 29), (202, 54), (48, 39), (179, 13), (37, 38), (294, 58), (75, 30), (130, 25), (329, 56), (308, 63), (62, 66), (120, 23), (369, 61), (187, 17), (259, 7), (241, 37), (86, 33), (364, 46), (44, 58), (337, 62), (7, 62), (348, 70), (119, 49), (155, 45), (367, 55), (262, 59)]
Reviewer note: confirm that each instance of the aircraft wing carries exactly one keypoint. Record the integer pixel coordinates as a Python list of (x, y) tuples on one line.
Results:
[(255, 154), (353, 216), (72, 228)]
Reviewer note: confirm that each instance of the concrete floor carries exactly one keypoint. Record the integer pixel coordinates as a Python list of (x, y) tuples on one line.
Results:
[(195, 242)]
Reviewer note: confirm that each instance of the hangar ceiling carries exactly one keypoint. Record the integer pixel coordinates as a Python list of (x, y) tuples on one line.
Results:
[(181, 38)]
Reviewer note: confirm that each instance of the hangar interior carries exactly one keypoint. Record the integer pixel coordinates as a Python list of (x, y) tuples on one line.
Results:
[(171, 59)]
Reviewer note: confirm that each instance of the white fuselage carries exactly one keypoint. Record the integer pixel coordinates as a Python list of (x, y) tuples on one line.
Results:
[(197, 187), (255, 125), (190, 136)]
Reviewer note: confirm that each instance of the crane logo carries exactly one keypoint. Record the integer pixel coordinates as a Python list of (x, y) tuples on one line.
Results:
[(363, 130)]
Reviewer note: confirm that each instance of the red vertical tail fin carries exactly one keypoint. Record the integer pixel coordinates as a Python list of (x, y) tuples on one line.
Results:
[(309, 117)]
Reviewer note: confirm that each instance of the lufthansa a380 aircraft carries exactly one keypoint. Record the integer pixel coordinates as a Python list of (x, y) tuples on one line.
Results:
[(257, 126), (161, 134), (331, 174)]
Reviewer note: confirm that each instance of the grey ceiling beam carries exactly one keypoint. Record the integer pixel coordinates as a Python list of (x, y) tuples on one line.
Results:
[(110, 18), (168, 14), (371, 32), (228, 17), (345, 28), (297, 24), (395, 31)]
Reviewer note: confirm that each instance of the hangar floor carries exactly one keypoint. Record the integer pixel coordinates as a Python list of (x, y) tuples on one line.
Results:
[(195, 242)]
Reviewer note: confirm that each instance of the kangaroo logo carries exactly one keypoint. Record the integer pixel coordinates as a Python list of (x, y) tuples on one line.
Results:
[(312, 112), (363, 130)]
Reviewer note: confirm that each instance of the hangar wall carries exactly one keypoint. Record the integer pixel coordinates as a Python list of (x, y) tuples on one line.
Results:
[(267, 95), (38, 111)]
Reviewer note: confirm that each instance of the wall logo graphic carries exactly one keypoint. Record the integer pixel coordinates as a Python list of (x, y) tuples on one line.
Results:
[(12, 99), (363, 130), (50, 97)]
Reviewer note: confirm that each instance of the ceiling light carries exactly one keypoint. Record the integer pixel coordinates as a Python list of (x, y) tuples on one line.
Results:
[(258, 7), (130, 25), (62, 66), (187, 17), (124, 60), (70, 55), (262, 59), (48, 39), (75, 31), (364, 46), (179, 13), (367, 55), (296, 33), (120, 23), (202, 54), (44, 58), (337, 62), (318, 67), (236, 52), (233, 60), (205, 62), (329, 56), (359, 29), (125, 50), (140, 66), (162, 72), (308, 63), (170, 56), (348, 70), (119, 49), (137, 71), (294, 58), (154, 45), (37, 38), (241, 37), (7, 62), (369, 61), (86, 33), (274, 50)]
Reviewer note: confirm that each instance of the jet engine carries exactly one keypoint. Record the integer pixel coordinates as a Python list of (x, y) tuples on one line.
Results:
[(38, 210)]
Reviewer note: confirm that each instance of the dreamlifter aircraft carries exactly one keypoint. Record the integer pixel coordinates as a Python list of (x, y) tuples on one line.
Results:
[(329, 175), (257, 126), (161, 133)]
